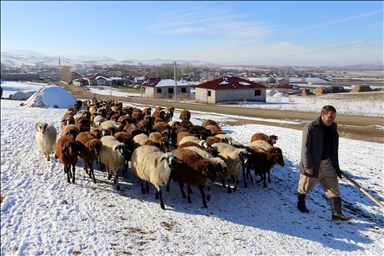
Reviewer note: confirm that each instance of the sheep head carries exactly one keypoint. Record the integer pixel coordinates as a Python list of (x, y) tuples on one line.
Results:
[(41, 127), (120, 148)]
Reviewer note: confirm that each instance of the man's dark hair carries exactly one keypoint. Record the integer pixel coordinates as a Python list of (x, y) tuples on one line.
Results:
[(328, 108)]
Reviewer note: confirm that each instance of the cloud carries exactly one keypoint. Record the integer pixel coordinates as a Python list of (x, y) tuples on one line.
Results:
[(337, 21), (210, 20)]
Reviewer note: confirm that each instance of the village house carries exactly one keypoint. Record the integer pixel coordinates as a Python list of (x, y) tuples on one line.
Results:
[(229, 89), (165, 88)]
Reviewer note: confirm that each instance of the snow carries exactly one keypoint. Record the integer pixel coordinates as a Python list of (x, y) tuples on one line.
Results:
[(41, 214)]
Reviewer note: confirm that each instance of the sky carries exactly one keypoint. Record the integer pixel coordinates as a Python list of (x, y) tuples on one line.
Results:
[(41, 214), (221, 32)]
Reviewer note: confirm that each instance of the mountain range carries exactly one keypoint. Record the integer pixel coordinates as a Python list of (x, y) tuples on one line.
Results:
[(16, 58)]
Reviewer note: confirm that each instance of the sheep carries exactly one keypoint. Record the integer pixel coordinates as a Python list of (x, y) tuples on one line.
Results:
[(213, 139), (143, 139), (193, 170), (128, 142), (112, 154), (194, 139), (110, 126), (262, 136), (262, 162), (160, 138), (200, 130), (219, 163), (235, 158), (262, 144), (97, 120), (231, 140), (46, 138), (65, 120), (210, 150), (209, 122), (90, 147), (83, 124), (147, 111), (152, 165), (214, 129), (70, 130), (67, 150), (185, 114)]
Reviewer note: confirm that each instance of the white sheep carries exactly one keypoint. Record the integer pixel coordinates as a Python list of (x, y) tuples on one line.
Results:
[(262, 144), (97, 120), (112, 154), (152, 165), (194, 139), (46, 138), (235, 158)]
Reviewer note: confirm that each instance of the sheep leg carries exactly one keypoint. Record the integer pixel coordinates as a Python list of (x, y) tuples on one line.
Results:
[(116, 181), (229, 190), (269, 176), (181, 185), (167, 187), (147, 187), (67, 172), (142, 187), (73, 176), (237, 183), (249, 174), (91, 173), (201, 187), (208, 193), (245, 178), (161, 199), (189, 193)]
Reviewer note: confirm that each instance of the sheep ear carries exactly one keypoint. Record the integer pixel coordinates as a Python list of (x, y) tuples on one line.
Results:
[(37, 126), (65, 149)]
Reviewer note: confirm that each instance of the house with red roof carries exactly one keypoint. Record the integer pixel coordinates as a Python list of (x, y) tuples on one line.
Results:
[(230, 89)]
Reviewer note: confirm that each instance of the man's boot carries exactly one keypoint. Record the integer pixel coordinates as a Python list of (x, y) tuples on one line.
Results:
[(336, 209), (301, 204)]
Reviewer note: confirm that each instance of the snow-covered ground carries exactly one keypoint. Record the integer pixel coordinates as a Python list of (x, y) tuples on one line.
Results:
[(41, 214)]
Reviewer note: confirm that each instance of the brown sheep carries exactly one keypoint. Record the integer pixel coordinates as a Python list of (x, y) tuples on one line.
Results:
[(214, 129), (262, 136), (89, 151), (193, 170), (67, 150), (70, 130), (161, 139), (66, 119), (185, 114), (211, 151), (209, 122), (212, 140), (262, 162), (83, 123)]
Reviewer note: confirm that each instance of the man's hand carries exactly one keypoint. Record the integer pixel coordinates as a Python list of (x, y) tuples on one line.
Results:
[(309, 171)]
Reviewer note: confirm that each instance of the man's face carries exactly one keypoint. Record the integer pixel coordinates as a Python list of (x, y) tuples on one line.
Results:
[(329, 118)]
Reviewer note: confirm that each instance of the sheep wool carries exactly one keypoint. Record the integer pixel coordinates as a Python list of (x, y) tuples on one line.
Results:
[(112, 154), (46, 138)]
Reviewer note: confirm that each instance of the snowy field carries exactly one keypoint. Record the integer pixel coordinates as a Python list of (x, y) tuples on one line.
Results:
[(41, 214)]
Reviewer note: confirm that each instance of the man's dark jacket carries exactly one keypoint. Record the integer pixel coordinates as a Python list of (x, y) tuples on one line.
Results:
[(312, 148)]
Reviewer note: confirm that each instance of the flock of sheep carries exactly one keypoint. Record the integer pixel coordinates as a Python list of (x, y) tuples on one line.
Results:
[(155, 148)]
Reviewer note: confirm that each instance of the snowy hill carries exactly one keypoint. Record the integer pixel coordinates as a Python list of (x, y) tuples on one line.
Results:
[(31, 58)]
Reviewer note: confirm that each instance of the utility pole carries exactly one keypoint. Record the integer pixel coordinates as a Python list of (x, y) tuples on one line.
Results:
[(174, 71)]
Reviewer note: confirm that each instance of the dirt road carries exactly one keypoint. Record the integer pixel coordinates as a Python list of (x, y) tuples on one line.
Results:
[(354, 127)]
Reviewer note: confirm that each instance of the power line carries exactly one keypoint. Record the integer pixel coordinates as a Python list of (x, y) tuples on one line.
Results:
[(326, 49)]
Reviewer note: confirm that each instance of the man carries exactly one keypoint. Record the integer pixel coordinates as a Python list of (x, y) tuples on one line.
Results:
[(320, 161)]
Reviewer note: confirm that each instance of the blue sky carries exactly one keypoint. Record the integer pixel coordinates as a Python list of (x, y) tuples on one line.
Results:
[(223, 32)]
